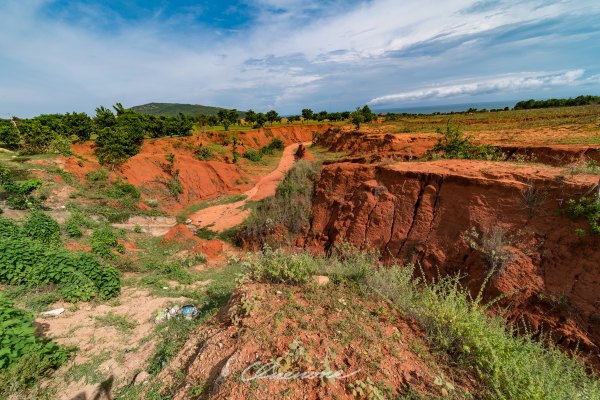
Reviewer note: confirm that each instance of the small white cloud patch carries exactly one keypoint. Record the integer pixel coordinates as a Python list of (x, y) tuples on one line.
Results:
[(478, 86)]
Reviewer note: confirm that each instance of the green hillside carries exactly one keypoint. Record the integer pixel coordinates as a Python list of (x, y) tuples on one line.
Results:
[(173, 109)]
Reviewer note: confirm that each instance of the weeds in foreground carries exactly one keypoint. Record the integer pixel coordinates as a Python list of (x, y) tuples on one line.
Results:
[(509, 366)]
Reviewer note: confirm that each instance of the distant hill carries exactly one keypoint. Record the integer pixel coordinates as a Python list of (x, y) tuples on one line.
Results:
[(173, 109)]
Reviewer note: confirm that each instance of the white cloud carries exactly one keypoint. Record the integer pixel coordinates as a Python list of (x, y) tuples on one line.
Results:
[(71, 66), (489, 85)]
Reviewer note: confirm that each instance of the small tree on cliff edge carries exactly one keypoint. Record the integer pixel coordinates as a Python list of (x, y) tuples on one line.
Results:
[(357, 117)]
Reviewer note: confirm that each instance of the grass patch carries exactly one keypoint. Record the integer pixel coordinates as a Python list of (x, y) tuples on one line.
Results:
[(121, 322)]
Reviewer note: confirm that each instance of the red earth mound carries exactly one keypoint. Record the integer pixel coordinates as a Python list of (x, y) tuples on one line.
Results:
[(308, 329), (423, 212), (199, 179)]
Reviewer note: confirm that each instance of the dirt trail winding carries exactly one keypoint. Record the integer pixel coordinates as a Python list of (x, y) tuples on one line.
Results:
[(225, 216)]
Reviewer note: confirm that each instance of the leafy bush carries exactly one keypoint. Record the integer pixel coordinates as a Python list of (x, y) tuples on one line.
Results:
[(19, 193), (454, 144), (117, 144), (276, 144), (24, 357), (588, 208), (203, 153), (80, 276), (97, 177), (279, 267), (76, 221), (253, 155), (123, 189), (42, 227), (104, 241)]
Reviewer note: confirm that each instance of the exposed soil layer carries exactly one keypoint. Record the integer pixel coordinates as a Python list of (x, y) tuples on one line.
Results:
[(312, 329), (419, 212), (150, 171), (367, 146)]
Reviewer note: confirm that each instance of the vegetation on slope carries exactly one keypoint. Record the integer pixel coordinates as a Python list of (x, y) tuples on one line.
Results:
[(456, 324), (31, 254), (24, 356), (289, 210)]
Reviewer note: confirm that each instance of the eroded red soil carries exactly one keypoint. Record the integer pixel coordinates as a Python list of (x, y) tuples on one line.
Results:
[(149, 170), (420, 212)]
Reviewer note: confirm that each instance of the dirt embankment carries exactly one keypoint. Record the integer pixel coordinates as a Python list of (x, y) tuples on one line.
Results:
[(376, 146), (421, 213), (308, 330), (150, 171)]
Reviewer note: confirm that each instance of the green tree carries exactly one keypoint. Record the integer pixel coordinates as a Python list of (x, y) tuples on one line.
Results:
[(78, 124), (104, 118), (272, 116), (223, 116), (367, 114), (307, 114), (357, 117), (9, 134), (261, 119), (36, 136), (250, 117)]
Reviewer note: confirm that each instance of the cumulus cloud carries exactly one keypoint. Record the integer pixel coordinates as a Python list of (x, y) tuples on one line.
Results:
[(473, 87)]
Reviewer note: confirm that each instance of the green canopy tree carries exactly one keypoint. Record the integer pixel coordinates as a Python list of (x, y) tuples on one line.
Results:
[(307, 114), (272, 116)]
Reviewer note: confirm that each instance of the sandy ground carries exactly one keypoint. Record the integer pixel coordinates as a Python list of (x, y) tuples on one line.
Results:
[(120, 353), (225, 216)]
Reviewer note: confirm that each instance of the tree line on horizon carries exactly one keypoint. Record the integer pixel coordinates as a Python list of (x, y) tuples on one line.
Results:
[(119, 132), (550, 103)]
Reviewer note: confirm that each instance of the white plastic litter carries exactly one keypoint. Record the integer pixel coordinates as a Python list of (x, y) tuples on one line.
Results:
[(53, 313)]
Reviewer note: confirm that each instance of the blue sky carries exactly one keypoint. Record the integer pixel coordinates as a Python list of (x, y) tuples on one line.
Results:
[(73, 55)]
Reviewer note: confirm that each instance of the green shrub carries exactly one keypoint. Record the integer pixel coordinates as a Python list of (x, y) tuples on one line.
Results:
[(24, 356), (97, 177), (253, 155), (27, 261), (119, 190), (76, 221), (588, 208), (279, 267), (80, 276), (454, 144), (203, 153), (18, 337), (291, 207), (19, 193), (206, 233), (104, 241), (42, 227), (276, 144)]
